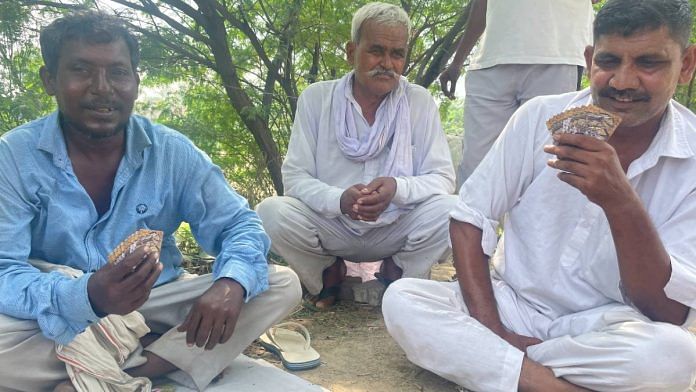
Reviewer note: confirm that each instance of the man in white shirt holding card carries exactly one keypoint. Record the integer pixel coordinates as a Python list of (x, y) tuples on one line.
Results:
[(594, 280)]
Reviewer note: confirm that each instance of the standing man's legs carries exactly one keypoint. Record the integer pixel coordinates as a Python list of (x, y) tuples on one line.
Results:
[(492, 96)]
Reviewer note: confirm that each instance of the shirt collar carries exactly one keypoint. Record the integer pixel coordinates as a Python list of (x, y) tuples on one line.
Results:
[(52, 141)]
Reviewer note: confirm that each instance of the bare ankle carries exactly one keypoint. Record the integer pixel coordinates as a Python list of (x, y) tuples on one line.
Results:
[(153, 368), (536, 377)]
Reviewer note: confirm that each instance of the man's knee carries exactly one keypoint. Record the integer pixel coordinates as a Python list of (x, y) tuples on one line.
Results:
[(394, 301), (285, 281), (279, 214), (666, 359)]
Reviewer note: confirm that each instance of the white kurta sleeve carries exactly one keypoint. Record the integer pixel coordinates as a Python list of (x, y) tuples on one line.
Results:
[(679, 239), (501, 178), (432, 162), (299, 168)]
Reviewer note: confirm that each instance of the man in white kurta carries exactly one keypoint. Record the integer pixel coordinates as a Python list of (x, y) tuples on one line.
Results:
[(594, 280), (310, 226)]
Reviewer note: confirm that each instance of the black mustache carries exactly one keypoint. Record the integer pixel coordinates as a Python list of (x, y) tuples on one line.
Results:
[(610, 92), (100, 104)]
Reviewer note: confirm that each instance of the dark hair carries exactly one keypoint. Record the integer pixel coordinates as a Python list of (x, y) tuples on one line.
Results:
[(89, 26), (627, 17)]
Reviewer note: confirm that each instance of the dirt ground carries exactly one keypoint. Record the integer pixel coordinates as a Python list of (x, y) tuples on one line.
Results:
[(357, 353)]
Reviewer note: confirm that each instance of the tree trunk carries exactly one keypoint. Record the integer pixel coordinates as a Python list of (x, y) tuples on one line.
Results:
[(243, 105)]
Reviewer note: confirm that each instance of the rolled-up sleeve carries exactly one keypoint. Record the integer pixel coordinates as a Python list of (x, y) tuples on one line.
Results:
[(503, 175), (679, 239)]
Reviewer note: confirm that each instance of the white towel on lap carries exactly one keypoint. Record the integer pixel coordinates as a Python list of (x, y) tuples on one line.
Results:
[(95, 357)]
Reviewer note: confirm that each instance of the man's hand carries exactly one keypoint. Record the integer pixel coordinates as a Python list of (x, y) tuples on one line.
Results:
[(213, 316), (448, 80), (349, 200), (519, 341), (124, 287), (375, 198), (592, 166)]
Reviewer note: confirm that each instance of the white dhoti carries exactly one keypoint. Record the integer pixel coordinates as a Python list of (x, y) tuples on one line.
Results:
[(310, 242), (610, 348), (28, 360)]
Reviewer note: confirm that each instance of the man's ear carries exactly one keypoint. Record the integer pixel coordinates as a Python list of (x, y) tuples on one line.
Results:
[(350, 52), (589, 52), (137, 83), (48, 81), (688, 65)]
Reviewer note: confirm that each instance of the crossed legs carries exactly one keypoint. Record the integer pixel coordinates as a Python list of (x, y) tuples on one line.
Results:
[(613, 348)]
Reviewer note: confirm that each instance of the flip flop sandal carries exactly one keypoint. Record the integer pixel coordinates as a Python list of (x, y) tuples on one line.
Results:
[(291, 342)]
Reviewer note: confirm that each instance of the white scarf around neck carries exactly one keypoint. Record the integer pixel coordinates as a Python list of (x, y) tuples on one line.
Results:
[(393, 123)]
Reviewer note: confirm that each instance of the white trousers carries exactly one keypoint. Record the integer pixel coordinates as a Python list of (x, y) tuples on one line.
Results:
[(310, 242), (28, 361), (492, 96), (611, 348)]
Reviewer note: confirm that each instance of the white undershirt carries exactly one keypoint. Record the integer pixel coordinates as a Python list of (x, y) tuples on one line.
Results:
[(534, 32)]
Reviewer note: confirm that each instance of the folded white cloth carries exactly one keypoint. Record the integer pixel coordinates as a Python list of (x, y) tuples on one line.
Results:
[(95, 357), (393, 123)]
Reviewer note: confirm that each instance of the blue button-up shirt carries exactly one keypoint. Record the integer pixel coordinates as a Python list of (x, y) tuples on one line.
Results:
[(162, 180)]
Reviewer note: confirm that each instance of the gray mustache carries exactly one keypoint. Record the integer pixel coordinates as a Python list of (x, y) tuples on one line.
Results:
[(379, 72)]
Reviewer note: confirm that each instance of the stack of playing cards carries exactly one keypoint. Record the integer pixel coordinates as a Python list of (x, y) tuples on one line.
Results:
[(142, 237), (587, 120)]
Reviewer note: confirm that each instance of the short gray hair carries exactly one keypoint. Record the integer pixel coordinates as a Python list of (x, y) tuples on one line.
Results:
[(382, 13)]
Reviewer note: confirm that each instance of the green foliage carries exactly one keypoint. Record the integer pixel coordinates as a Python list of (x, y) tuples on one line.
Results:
[(21, 93)]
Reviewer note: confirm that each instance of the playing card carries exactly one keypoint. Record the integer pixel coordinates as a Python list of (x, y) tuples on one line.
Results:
[(152, 238), (585, 120)]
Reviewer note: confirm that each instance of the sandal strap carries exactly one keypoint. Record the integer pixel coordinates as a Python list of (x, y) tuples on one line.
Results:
[(270, 333)]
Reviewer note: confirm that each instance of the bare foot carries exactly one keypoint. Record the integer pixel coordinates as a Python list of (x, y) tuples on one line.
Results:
[(153, 368), (536, 377), (389, 271), (65, 386), (332, 278)]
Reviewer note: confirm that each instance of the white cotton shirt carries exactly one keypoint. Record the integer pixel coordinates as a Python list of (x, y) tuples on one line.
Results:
[(317, 172), (557, 251), (534, 32)]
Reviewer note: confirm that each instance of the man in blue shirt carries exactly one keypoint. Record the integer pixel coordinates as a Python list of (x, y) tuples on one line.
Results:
[(76, 183)]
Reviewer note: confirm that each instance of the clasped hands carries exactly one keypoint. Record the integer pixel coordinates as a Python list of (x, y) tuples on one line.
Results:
[(124, 287), (368, 202)]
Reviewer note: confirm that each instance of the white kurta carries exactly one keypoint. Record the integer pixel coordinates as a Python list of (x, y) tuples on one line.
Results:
[(556, 270), (307, 227), (316, 172), (554, 231)]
